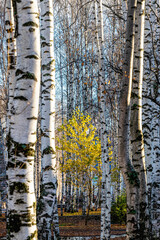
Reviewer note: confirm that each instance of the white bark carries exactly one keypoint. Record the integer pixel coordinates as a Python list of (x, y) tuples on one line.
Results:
[(147, 111), (106, 186), (86, 77), (22, 132), (69, 108), (37, 163), (138, 155), (11, 55), (129, 174), (115, 181), (151, 124), (11, 65), (62, 115), (2, 172), (47, 204), (155, 29)]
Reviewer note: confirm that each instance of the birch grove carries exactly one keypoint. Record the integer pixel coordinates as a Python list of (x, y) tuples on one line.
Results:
[(137, 177), (101, 58)]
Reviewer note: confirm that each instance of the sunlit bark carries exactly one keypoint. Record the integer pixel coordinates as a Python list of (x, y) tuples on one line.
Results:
[(22, 131), (137, 140), (129, 174)]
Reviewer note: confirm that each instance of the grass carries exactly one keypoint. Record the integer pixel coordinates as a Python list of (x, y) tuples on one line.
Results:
[(79, 213), (66, 224)]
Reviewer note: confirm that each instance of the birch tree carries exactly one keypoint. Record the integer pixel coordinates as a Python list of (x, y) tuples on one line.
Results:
[(22, 130), (129, 174), (11, 56), (150, 112), (137, 140), (48, 202), (105, 192), (155, 13), (2, 172), (3, 76)]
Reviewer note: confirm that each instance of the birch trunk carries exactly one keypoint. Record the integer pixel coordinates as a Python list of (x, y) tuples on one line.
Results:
[(37, 163), (147, 113), (151, 124), (69, 110), (11, 66), (129, 174), (22, 132), (84, 196), (105, 191), (85, 80), (11, 54), (138, 155), (156, 123), (116, 179), (47, 204), (2, 173), (62, 114)]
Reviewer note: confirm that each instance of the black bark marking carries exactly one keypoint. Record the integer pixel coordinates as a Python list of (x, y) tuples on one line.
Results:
[(27, 75), (14, 3), (19, 187), (14, 223), (48, 150), (32, 57), (22, 98), (30, 23), (17, 149), (33, 235)]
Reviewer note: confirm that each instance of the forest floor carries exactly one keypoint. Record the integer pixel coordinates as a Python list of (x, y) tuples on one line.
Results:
[(73, 225), (2, 226)]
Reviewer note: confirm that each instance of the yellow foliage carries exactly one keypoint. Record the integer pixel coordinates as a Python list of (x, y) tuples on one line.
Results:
[(82, 148)]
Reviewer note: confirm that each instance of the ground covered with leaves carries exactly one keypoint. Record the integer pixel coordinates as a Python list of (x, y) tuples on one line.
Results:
[(74, 225), (2, 226)]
